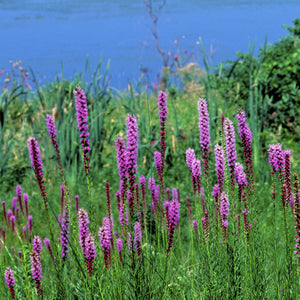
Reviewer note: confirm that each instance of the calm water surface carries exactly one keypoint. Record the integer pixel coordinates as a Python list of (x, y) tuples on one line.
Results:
[(46, 35)]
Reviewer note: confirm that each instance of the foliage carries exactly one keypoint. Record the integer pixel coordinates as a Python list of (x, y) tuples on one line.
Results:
[(275, 76)]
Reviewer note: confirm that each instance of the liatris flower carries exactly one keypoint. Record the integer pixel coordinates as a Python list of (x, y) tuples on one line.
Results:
[(84, 231), (36, 271), (230, 148), (138, 207), (19, 195), (163, 117), (276, 157), (76, 203), (123, 216), (30, 224), (108, 223), (14, 205), (121, 157), (158, 164), (196, 173), (119, 248), (137, 238), (220, 166), (17, 213), (287, 175), (216, 194), (25, 198), (104, 236), (12, 220), (132, 152), (172, 214), (246, 224), (190, 156), (10, 282), (37, 244), (82, 121), (224, 211), (296, 212), (246, 137), (241, 181), (175, 194), (90, 253), (204, 132), (4, 211), (205, 225), (64, 235), (36, 162), (52, 132), (3, 235), (48, 246)]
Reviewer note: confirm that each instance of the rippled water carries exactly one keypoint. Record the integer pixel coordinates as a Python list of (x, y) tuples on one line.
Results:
[(48, 34)]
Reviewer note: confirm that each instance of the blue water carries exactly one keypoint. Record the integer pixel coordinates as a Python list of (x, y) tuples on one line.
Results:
[(47, 35)]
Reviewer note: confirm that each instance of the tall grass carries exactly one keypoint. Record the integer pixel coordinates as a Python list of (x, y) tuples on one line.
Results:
[(172, 247)]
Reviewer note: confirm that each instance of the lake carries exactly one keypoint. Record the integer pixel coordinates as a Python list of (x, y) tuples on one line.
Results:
[(54, 34)]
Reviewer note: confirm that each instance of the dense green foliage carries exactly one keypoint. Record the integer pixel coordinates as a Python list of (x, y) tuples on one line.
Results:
[(275, 75)]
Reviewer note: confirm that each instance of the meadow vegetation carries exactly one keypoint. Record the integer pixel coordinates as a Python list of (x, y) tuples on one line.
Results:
[(184, 193)]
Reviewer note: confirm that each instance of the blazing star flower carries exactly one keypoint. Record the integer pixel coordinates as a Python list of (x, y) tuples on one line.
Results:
[(276, 157), (84, 231), (137, 238), (82, 121), (220, 165), (19, 195), (36, 270), (158, 163), (90, 253), (37, 244), (10, 282), (121, 157)]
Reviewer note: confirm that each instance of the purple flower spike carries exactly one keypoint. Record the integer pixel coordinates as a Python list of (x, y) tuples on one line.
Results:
[(158, 163), (163, 117), (230, 148), (240, 175), (90, 253), (119, 248), (84, 231), (10, 282), (204, 131), (105, 242), (137, 238), (121, 157), (4, 211), (12, 220), (82, 121), (276, 157), (48, 246), (196, 173), (14, 205), (64, 237), (190, 156), (19, 195), (51, 126), (172, 217), (36, 162), (36, 271), (37, 245), (220, 165), (224, 212)]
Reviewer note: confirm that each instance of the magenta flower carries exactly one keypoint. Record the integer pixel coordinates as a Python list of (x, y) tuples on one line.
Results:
[(240, 175), (132, 152), (158, 163), (36, 271), (82, 121), (224, 212), (19, 195), (196, 173), (64, 234), (276, 157), (30, 224), (51, 126), (10, 282), (48, 246), (137, 238), (205, 225), (105, 242), (121, 157), (246, 137), (287, 175), (37, 244), (230, 148), (220, 165), (204, 132), (36, 162), (90, 253), (84, 231), (4, 211), (172, 218)]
